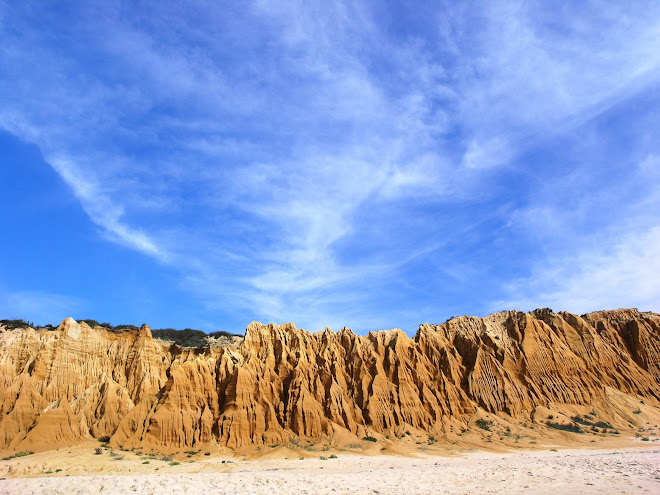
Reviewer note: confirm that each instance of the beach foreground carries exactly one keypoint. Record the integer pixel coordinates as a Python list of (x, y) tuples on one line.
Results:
[(565, 471)]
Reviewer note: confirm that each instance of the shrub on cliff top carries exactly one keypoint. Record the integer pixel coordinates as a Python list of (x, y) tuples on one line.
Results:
[(183, 338), (13, 324)]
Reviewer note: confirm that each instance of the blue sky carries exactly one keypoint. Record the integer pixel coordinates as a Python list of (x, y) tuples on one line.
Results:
[(361, 164)]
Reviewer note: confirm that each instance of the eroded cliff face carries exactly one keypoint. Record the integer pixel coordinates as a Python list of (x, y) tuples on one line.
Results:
[(61, 387)]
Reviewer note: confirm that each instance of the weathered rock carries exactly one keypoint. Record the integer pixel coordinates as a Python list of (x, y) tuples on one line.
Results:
[(64, 386)]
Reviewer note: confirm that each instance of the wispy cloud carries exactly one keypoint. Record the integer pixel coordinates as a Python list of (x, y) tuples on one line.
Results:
[(531, 74), (103, 210), (618, 273), (599, 251)]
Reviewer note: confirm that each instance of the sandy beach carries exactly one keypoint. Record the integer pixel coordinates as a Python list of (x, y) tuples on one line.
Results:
[(580, 471)]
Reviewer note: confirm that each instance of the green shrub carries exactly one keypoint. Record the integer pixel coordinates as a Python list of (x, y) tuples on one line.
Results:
[(18, 454), (569, 428), (91, 323), (484, 424), (13, 324), (333, 456), (222, 333), (182, 338), (582, 421), (174, 463), (369, 439), (119, 328)]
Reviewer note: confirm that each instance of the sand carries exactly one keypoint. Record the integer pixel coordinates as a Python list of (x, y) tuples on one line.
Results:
[(634, 469)]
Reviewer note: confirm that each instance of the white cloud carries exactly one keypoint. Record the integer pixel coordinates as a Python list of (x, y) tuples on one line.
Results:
[(619, 273), (650, 167), (595, 251), (491, 153), (527, 78), (103, 210)]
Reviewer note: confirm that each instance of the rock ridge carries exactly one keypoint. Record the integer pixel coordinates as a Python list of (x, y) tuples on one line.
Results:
[(280, 383)]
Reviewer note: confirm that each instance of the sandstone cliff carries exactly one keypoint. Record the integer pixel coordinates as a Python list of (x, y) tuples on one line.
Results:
[(280, 383)]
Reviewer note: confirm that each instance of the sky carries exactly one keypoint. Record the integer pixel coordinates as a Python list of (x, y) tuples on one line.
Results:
[(369, 164)]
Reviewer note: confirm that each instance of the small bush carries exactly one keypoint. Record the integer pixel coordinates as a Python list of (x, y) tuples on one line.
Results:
[(637, 412), (119, 328), (645, 439), (484, 424), (16, 323), (174, 463), (582, 421), (145, 462), (98, 451), (333, 456), (104, 439), (369, 439), (569, 428), (222, 333), (18, 454), (323, 458)]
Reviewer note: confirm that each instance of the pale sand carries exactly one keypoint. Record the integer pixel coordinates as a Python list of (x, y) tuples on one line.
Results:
[(633, 471)]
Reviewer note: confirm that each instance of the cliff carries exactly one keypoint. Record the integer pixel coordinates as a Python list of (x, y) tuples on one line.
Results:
[(283, 384)]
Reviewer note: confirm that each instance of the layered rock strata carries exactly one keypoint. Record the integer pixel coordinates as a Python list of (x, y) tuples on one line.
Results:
[(280, 383)]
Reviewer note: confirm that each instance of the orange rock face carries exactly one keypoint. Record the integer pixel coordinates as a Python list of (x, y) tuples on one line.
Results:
[(75, 383)]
